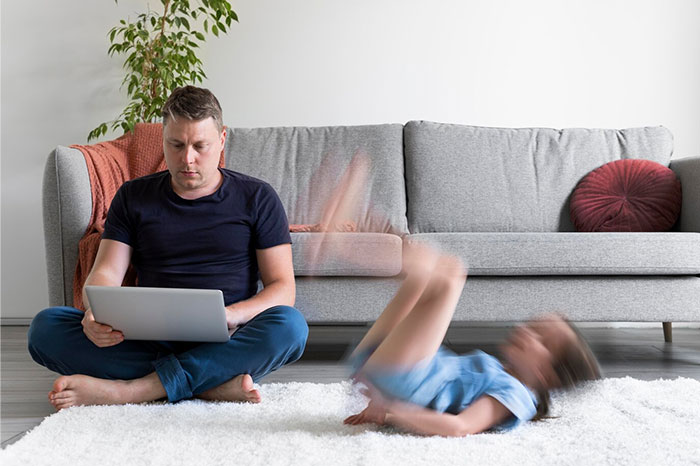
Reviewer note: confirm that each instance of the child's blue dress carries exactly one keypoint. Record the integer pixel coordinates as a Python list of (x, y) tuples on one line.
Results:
[(449, 383)]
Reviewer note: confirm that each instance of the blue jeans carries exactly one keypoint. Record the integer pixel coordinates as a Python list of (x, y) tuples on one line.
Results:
[(273, 338)]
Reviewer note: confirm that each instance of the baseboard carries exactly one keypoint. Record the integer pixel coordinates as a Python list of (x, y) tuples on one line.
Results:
[(15, 321)]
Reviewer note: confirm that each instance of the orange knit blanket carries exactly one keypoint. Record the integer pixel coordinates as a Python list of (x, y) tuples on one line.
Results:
[(109, 165)]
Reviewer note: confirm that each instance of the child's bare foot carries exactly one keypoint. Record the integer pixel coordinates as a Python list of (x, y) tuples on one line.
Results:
[(76, 390), (239, 388)]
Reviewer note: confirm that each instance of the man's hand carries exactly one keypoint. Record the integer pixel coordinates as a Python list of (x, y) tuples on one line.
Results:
[(234, 318), (100, 334)]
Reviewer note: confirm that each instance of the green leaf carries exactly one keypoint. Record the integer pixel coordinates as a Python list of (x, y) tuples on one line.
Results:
[(158, 59), (97, 132)]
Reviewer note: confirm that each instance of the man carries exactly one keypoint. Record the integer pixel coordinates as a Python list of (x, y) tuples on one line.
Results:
[(192, 226)]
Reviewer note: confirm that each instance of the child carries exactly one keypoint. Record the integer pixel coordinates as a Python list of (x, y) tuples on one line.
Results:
[(415, 384)]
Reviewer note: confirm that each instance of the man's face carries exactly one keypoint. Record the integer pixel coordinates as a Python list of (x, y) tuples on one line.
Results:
[(192, 151)]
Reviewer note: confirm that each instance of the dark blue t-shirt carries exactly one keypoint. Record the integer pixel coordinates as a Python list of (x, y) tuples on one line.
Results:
[(206, 243)]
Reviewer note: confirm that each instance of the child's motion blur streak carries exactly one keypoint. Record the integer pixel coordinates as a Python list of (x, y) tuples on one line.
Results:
[(416, 384)]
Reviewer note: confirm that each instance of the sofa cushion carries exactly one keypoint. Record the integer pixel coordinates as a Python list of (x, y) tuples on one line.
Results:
[(581, 298), (346, 254), (305, 164), (627, 195), (471, 179), (498, 299), (572, 253), (344, 299)]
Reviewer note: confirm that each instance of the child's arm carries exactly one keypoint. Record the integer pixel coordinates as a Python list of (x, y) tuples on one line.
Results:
[(481, 415)]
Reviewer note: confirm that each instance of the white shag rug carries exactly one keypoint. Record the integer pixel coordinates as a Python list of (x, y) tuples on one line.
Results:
[(612, 421)]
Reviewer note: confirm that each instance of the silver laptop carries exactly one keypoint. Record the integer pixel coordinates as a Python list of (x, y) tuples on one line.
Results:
[(175, 314)]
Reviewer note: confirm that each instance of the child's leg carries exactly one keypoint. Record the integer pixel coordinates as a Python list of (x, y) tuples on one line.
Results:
[(419, 264), (419, 334)]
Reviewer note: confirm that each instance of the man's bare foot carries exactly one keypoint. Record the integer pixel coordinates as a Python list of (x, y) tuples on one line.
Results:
[(76, 390), (239, 388)]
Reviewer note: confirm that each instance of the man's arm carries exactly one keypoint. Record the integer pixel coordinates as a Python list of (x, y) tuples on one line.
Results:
[(111, 263), (277, 275)]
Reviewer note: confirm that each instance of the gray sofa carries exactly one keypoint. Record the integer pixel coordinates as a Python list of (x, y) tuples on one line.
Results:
[(497, 197)]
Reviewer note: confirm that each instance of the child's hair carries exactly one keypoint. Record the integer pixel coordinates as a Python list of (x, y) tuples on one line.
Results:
[(577, 364)]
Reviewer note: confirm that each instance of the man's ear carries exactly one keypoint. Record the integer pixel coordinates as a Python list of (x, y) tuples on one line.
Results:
[(223, 137)]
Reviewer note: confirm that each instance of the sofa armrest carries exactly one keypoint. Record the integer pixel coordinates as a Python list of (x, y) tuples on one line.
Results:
[(688, 171), (67, 207)]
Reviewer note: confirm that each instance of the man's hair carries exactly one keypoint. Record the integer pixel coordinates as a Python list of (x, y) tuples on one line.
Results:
[(193, 103)]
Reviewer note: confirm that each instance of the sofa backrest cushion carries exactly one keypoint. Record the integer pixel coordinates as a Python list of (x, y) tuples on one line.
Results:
[(470, 178), (305, 164)]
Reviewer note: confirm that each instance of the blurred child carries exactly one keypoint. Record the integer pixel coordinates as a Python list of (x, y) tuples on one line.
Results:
[(416, 384)]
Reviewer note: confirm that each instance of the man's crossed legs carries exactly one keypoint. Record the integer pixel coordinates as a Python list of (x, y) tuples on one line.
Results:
[(135, 371)]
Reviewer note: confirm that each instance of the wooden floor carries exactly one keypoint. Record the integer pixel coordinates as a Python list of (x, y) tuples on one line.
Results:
[(638, 353)]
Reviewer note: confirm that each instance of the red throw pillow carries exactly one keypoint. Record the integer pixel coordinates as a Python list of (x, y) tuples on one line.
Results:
[(627, 195)]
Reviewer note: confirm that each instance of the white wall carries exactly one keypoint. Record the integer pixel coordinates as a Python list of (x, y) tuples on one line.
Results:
[(555, 63)]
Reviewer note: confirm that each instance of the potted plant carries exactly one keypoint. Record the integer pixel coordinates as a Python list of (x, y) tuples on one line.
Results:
[(160, 48)]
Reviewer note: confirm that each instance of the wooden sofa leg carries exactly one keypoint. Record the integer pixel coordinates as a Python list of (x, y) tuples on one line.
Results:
[(668, 337)]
